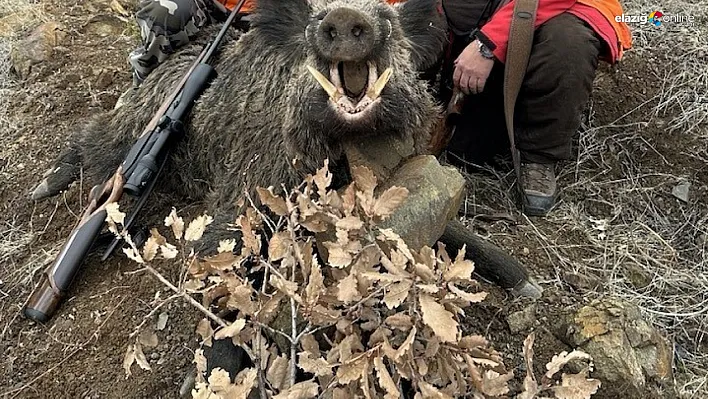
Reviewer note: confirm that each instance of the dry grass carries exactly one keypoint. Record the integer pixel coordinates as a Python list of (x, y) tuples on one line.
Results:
[(645, 246), (684, 84), (16, 16), (617, 221), (655, 250)]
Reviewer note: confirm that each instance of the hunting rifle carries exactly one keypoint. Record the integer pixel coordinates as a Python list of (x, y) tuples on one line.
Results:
[(135, 176)]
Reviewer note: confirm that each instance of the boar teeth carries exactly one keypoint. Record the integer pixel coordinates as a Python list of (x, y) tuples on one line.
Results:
[(375, 91), (324, 82)]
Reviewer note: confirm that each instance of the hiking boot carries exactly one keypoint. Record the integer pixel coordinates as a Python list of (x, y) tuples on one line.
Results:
[(539, 188)]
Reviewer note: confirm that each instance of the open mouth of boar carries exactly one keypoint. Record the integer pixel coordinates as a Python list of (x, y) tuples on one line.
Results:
[(353, 86)]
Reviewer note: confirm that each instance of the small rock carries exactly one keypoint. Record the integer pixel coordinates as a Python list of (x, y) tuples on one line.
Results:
[(104, 79), (148, 339), (640, 278), (581, 281), (522, 320), (72, 78), (187, 384), (626, 350), (681, 191), (36, 48), (162, 321), (103, 26)]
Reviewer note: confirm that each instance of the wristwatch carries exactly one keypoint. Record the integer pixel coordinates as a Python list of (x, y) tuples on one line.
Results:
[(485, 51)]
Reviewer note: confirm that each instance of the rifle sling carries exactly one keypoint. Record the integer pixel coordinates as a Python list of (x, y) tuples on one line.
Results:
[(517, 58)]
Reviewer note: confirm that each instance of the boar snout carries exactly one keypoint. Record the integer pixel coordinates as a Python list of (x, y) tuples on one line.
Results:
[(345, 34)]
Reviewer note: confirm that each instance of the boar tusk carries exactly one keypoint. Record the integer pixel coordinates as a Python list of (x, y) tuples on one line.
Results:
[(323, 81), (380, 83)]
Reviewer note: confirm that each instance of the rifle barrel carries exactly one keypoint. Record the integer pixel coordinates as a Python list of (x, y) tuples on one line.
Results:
[(224, 28)]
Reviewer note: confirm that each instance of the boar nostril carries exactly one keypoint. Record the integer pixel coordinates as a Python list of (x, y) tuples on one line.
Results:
[(356, 31), (332, 32)]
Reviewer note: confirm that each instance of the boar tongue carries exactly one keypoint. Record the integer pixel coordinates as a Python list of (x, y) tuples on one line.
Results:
[(355, 76)]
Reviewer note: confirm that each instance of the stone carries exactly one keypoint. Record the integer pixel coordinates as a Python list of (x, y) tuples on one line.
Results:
[(637, 276), (104, 78), (104, 25), (681, 191), (626, 350), (162, 321), (435, 192), (584, 282), (380, 154), (38, 47), (522, 320)]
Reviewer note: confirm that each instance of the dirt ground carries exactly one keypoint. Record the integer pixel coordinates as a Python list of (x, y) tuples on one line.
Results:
[(617, 230)]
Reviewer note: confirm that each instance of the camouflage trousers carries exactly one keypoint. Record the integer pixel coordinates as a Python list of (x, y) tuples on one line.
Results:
[(165, 26)]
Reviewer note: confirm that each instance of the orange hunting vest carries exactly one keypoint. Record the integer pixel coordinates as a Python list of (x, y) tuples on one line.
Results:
[(611, 9), (249, 5)]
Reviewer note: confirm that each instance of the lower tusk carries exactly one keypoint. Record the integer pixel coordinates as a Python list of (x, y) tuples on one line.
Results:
[(324, 82), (375, 91)]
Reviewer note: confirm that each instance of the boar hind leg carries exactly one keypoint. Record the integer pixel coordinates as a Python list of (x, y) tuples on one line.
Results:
[(92, 154), (64, 171), (97, 148), (490, 261)]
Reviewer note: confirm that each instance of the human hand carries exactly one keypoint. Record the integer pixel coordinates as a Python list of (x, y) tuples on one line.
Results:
[(472, 69)]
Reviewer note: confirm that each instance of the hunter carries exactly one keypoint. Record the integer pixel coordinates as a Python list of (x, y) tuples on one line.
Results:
[(570, 38)]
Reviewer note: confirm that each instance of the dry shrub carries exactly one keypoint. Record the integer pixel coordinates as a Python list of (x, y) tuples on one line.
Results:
[(378, 319), (15, 17), (679, 55)]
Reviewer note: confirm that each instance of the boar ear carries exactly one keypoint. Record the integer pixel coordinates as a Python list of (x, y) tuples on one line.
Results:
[(281, 21), (424, 24)]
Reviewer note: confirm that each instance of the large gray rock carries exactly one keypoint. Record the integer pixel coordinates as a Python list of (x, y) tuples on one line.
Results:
[(36, 48), (626, 350)]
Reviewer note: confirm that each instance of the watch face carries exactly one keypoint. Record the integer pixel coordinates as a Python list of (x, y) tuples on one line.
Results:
[(485, 51)]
